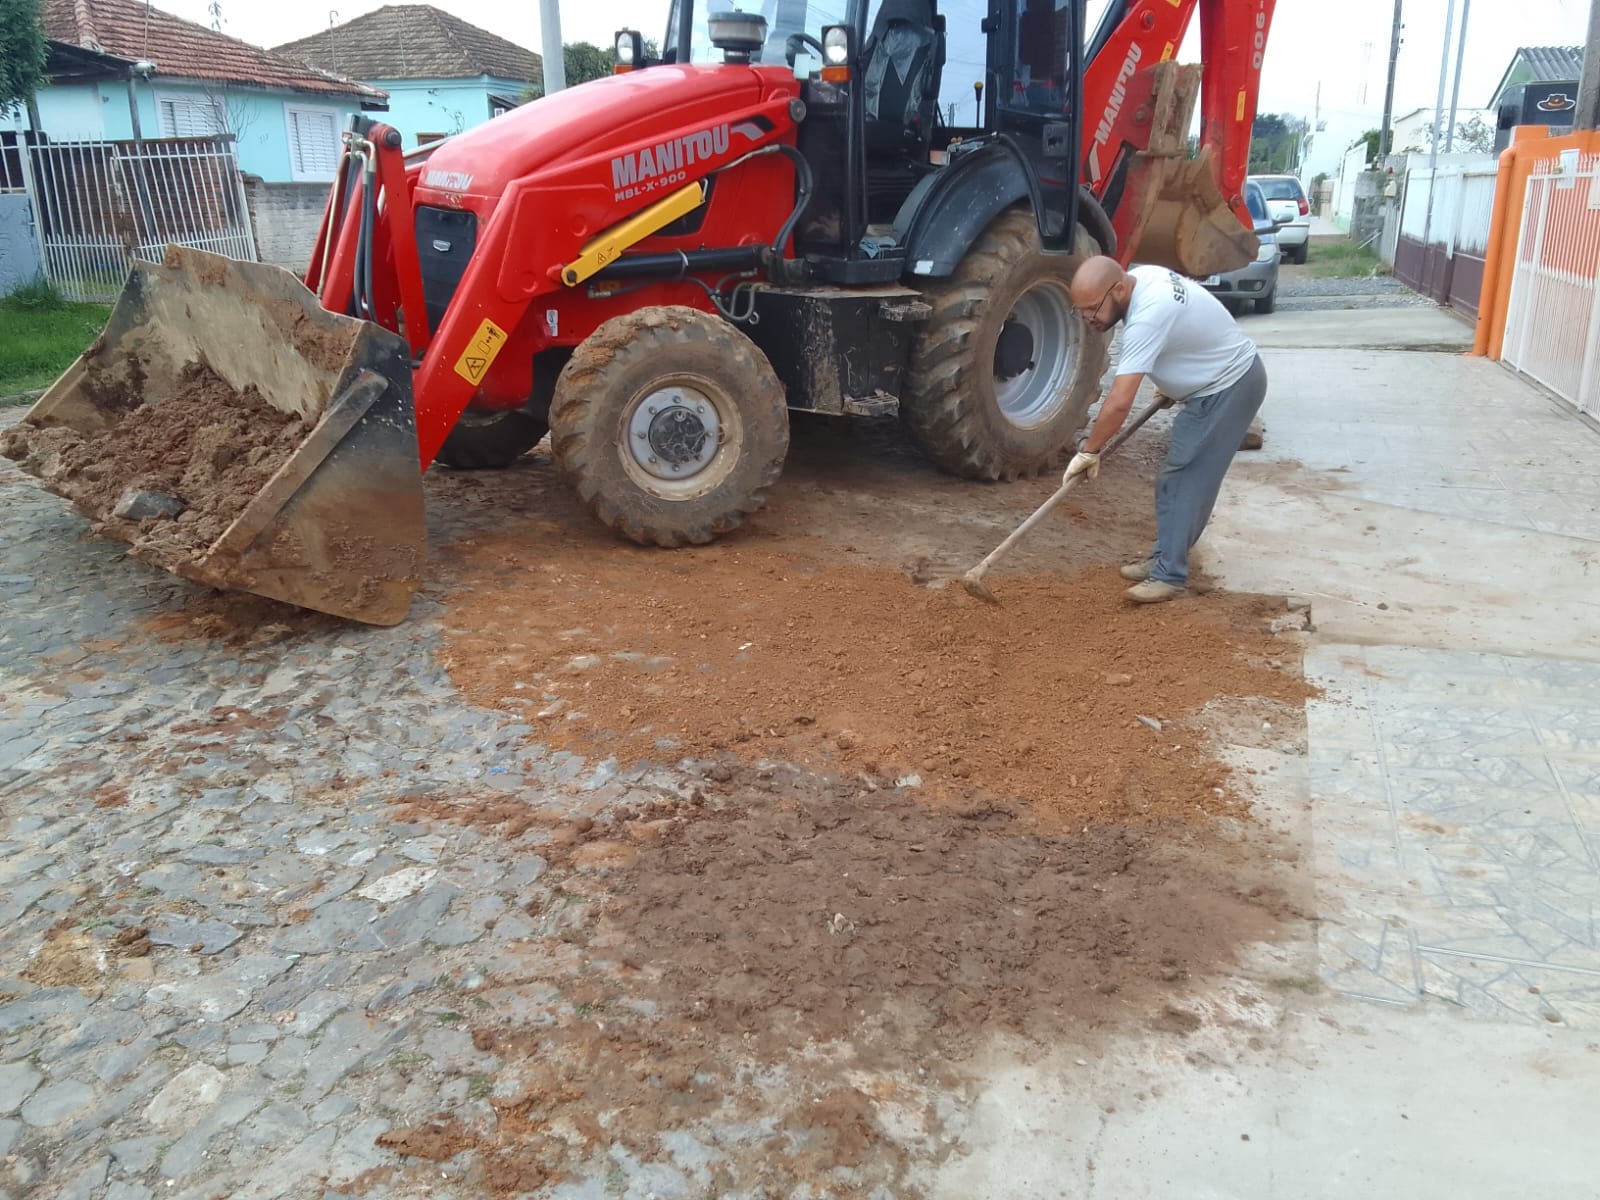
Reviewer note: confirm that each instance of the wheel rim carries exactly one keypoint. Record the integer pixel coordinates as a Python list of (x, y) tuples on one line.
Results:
[(680, 438), (1036, 356)]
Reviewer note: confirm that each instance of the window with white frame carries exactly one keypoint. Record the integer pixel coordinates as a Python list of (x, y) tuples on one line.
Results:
[(183, 115), (314, 143)]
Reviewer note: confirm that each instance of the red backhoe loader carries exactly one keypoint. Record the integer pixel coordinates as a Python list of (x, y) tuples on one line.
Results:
[(781, 211)]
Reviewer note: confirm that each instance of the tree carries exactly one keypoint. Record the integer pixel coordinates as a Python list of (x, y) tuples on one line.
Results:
[(1371, 137), (1267, 125), (585, 61), (23, 51), (1472, 137), (1275, 140)]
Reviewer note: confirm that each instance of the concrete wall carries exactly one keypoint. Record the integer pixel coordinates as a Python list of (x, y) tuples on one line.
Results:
[(1366, 216), (1351, 168), (286, 217), (442, 106)]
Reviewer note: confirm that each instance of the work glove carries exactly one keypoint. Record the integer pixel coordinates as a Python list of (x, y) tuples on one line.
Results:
[(1083, 463)]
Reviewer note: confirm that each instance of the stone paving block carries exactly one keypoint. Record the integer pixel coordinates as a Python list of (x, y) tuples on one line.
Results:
[(83, 1183), (10, 1131), (186, 1097), (118, 1062), (357, 1152), (208, 998), (17, 1082), (56, 1102), (345, 926), (135, 1156), (247, 1055)]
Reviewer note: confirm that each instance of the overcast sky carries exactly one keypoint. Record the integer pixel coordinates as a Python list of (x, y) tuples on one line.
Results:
[(1344, 46)]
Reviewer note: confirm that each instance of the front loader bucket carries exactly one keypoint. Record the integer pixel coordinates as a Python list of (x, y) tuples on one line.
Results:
[(235, 432), (1189, 226), (1182, 220)]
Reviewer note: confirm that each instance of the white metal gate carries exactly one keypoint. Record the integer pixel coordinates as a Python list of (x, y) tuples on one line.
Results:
[(99, 205), (1553, 317)]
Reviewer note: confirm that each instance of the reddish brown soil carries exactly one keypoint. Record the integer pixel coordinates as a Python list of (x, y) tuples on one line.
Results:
[(746, 651), (210, 446), (779, 924), (438, 1140)]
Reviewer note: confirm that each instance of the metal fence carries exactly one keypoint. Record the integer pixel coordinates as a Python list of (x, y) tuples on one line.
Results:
[(99, 205), (1553, 317)]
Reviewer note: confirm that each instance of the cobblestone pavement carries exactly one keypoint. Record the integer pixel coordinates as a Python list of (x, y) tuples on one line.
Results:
[(1300, 291), (231, 965)]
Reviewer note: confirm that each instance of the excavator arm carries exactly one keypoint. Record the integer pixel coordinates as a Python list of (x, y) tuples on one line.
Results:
[(1139, 104)]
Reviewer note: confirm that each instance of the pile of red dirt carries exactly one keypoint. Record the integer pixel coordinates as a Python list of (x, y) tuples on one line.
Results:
[(740, 652)]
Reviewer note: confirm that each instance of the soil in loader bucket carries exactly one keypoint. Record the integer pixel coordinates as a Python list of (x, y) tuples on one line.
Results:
[(1184, 220), (234, 432)]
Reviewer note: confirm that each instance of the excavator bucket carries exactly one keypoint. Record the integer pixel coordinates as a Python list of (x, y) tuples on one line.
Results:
[(235, 432), (1183, 220)]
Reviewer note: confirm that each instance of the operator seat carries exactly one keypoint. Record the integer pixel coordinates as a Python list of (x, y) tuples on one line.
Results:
[(901, 64)]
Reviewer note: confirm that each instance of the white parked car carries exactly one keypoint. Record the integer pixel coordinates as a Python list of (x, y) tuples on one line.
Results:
[(1286, 201)]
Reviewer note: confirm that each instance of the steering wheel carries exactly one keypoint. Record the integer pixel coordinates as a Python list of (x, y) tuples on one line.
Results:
[(796, 41)]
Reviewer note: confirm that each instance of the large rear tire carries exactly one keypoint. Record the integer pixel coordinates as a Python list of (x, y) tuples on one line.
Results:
[(671, 424), (1004, 370)]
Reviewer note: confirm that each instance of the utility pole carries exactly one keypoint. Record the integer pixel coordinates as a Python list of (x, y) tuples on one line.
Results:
[(1588, 114), (1388, 92), (1433, 151), (1455, 88), (555, 63)]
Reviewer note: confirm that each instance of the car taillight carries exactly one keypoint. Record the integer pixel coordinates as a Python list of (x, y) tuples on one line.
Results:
[(1304, 208)]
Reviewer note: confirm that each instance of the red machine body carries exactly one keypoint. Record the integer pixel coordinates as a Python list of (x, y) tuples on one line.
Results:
[(545, 179)]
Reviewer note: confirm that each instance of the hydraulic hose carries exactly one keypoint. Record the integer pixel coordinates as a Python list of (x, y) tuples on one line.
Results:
[(805, 184)]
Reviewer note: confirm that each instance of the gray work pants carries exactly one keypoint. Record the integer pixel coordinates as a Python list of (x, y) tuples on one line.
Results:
[(1205, 436)]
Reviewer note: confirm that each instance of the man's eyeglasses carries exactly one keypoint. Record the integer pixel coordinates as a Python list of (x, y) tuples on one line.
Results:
[(1093, 314)]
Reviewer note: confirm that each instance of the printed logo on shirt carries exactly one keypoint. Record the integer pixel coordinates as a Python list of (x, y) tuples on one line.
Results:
[(1180, 291)]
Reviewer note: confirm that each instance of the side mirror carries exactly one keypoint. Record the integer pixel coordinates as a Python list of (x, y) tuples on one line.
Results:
[(1262, 227), (1282, 221)]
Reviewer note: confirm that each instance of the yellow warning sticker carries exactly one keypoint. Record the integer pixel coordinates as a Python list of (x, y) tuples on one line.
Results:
[(481, 352), (1238, 113), (1167, 52)]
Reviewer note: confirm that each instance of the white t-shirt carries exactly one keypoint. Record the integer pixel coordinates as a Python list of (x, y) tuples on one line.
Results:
[(1181, 336)]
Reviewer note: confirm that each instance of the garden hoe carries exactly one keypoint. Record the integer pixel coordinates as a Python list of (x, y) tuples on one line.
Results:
[(973, 579)]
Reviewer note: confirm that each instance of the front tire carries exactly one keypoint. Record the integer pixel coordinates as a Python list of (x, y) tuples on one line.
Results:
[(1265, 304), (492, 440), (671, 424), (1004, 370)]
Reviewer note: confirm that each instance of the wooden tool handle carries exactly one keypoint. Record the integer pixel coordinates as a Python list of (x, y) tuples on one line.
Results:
[(1058, 496)]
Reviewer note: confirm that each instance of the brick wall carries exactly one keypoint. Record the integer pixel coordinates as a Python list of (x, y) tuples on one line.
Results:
[(285, 217)]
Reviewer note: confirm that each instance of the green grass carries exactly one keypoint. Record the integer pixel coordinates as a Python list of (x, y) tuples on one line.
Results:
[(40, 335), (1343, 260)]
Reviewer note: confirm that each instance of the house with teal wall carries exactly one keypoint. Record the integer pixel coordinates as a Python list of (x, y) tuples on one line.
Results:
[(121, 70), (441, 74)]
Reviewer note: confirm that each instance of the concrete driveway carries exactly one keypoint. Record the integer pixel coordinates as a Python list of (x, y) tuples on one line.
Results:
[(1444, 517)]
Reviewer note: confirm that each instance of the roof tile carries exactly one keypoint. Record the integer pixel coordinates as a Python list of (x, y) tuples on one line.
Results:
[(181, 49), (415, 41)]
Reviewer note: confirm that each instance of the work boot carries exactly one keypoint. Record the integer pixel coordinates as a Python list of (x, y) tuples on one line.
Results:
[(1154, 591), (1137, 572)]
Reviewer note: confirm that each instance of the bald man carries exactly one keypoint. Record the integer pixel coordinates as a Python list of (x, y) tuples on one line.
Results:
[(1182, 337)]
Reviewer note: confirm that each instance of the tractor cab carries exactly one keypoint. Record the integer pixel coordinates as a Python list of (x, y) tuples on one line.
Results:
[(912, 107)]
